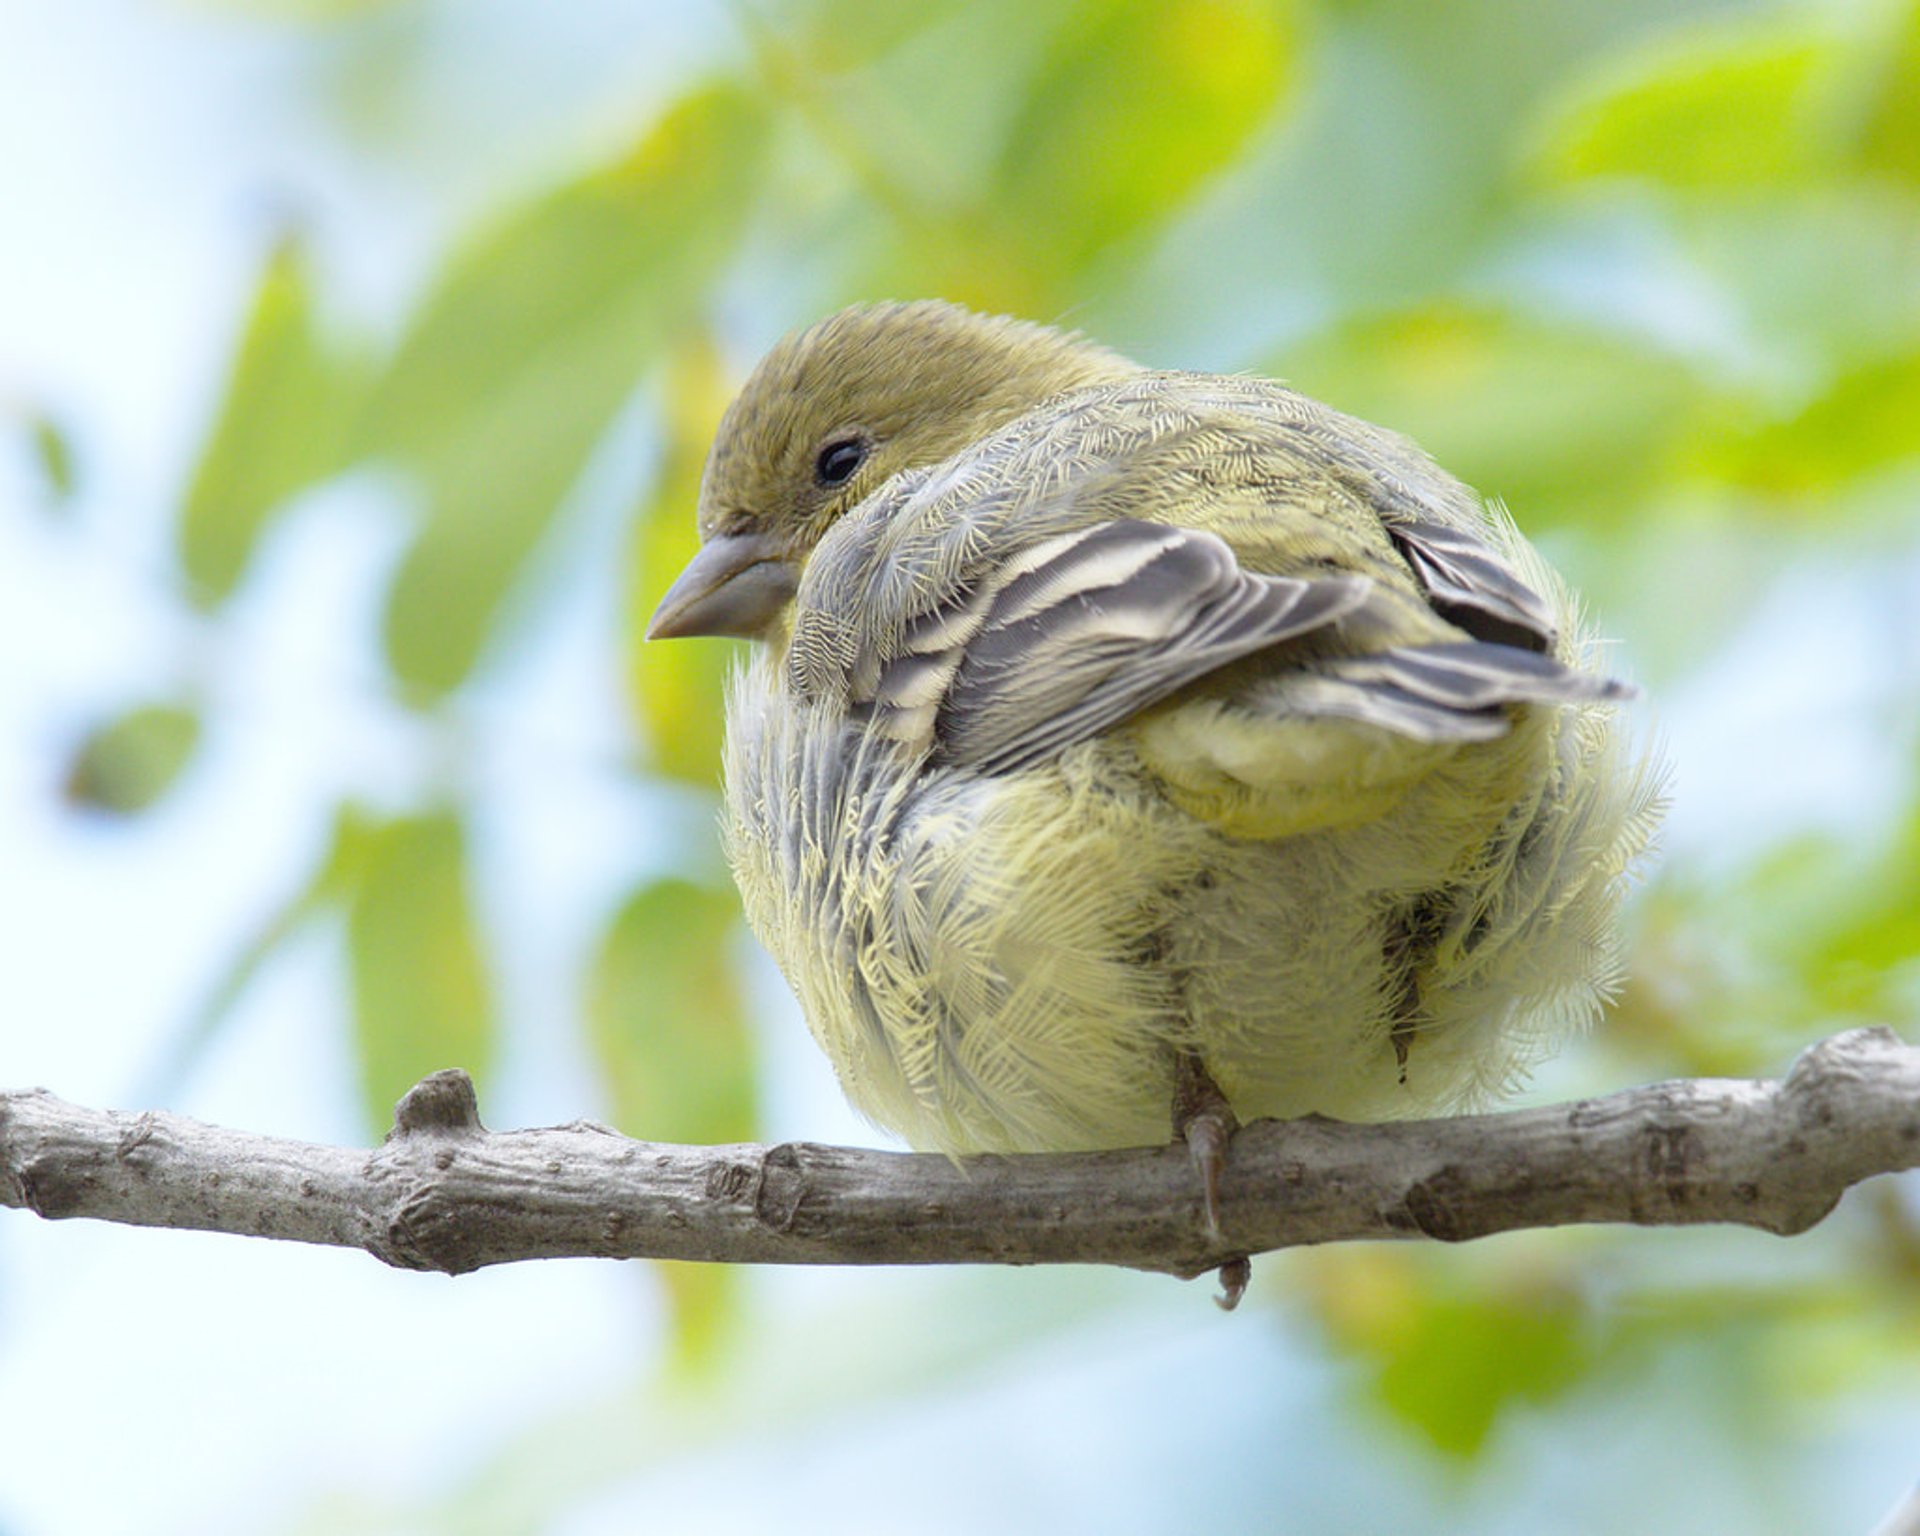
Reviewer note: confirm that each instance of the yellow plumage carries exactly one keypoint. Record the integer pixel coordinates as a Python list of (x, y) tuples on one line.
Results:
[(1107, 716)]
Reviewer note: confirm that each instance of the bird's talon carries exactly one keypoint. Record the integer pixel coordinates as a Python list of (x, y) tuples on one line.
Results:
[(1202, 1117), (1235, 1275), (1207, 1135)]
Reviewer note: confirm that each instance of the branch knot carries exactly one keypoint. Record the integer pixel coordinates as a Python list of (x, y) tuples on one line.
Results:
[(440, 1101)]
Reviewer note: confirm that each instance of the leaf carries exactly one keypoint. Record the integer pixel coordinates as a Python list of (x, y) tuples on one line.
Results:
[(1450, 1354), (1866, 962), (53, 455), (889, 182), (1133, 107), (1734, 972), (667, 1018), (1562, 422), (668, 1024), (421, 999), (125, 766), (1835, 289), (518, 361), (1464, 1362), (1888, 137), (334, 878), (704, 1301), (281, 426), (1745, 104), (835, 36), (677, 685), (1864, 422)]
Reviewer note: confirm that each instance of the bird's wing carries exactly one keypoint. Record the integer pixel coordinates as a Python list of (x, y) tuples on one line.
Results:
[(1083, 630), (1472, 586), (1440, 528), (1080, 631), (998, 608), (1455, 691)]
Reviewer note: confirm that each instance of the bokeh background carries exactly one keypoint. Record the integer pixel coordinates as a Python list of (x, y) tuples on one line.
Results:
[(356, 365)]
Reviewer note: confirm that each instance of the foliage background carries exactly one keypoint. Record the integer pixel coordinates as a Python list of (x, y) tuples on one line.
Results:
[(357, 358)]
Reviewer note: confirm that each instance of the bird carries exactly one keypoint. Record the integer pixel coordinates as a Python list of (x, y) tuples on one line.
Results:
[(1132, 753)]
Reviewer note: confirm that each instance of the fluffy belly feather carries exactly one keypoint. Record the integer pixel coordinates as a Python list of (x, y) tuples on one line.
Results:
[(1011, 963)]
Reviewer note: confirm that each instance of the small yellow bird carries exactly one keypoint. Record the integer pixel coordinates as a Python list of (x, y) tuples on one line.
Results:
[(1133, 750)]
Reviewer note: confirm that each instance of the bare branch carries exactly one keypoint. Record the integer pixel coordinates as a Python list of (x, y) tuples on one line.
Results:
[(444, 1193)]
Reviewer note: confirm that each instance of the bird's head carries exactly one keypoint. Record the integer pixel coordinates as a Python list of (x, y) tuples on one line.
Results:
[(830, 414)]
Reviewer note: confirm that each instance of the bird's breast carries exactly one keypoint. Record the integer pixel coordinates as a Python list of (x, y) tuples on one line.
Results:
[(1011, 961), (975, 953)]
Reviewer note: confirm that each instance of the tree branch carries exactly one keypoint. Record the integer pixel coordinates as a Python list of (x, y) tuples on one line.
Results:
[(444, 1193)]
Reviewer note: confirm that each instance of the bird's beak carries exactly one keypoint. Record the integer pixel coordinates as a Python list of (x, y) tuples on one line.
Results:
[(736, 585)]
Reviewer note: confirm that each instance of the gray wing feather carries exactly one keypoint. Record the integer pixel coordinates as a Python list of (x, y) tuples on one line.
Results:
[(999, 607), (1471, 586), (1436, 522), (1479, 675), (1453, 692), (1081, 631)]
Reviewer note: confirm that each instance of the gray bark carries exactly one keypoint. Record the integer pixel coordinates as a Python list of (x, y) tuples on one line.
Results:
[(444, 1193)]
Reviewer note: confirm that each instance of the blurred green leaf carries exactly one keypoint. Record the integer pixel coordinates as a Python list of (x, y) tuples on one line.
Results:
[(1136, 103), (1701, 999), (704, 1301), (893, 171), (1867, 962), (669, 1029), (128, 763), (835, 36), (421, 999), (516, 363), (1868, 420), (1888, 138), (1743, 103), (1458, 1363), (1820, 283), (1564, 423), (1733, 974), (282, 426), (1448, 1351), (334, 877), (667, 1019), (990, 150), (677, 684), (53, 455)]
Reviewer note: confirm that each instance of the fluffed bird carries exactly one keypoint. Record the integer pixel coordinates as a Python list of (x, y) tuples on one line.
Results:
[(1132, 750)]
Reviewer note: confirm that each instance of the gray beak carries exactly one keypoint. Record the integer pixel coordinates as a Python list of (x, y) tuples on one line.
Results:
[(736, 585)]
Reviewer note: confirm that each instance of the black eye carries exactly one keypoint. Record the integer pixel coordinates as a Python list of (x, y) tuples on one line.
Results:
[(838, 460)]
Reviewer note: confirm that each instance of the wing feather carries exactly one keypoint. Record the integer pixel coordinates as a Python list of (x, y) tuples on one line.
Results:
[(1471, 586), (996, 609), (1079, 632), (1452, 692)]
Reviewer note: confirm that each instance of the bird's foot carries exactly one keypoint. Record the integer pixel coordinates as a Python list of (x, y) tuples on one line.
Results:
[(1234, 1276), (1205, 1121)]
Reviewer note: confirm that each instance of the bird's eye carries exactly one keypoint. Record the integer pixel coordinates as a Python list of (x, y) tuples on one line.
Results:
[(838, 460)]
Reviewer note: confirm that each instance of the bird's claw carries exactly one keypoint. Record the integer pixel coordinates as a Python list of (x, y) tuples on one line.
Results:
[(1207, 1135), (1205, 1121), (1234, 1276)]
